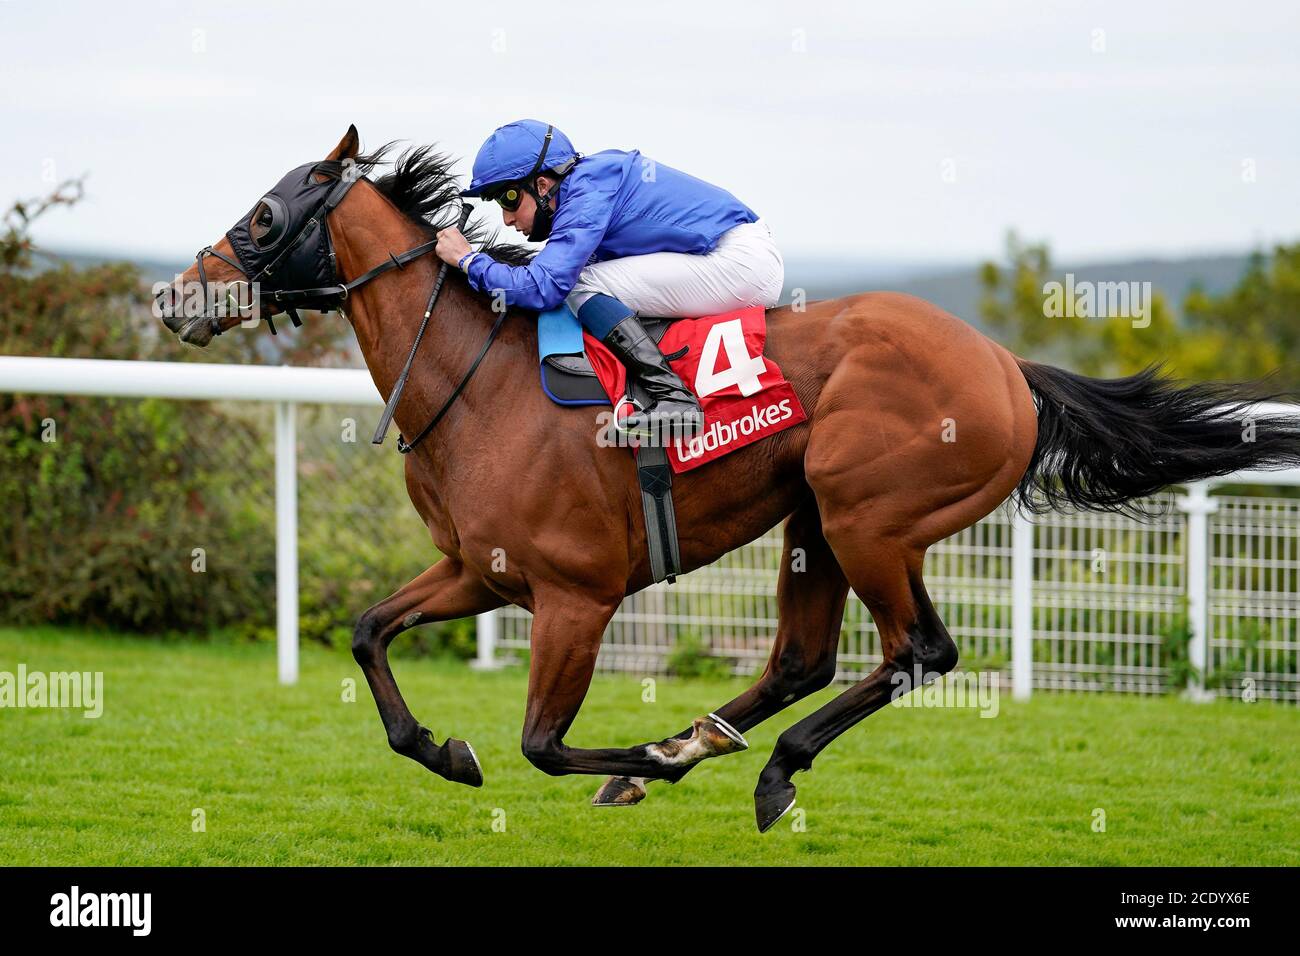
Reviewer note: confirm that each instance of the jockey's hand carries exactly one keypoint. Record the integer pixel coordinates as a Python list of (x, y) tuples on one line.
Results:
[(451, 246)]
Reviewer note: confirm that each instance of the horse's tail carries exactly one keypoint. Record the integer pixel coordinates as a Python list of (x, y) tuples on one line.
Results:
[(1102, 443)]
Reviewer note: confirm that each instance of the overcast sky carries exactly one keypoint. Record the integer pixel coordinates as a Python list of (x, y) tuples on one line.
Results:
[(877, 131)]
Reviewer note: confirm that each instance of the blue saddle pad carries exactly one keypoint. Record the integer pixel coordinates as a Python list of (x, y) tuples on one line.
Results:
[(558, 333), (567, 378), (567, 375)]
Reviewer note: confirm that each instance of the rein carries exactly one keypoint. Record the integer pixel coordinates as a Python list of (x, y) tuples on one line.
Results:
[(332, 297), (390, 408)]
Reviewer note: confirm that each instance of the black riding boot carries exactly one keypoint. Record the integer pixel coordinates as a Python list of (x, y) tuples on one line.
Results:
[(673, 410)]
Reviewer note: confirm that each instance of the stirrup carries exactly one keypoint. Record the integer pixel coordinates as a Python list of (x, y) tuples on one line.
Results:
[(620, 425), (664, 428)]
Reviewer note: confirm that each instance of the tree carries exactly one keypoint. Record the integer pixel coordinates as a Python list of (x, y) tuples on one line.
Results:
[(1247, 333), (1257, 322)]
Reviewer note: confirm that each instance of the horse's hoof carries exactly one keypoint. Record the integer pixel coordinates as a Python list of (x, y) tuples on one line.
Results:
[(721, 737), (710, 736), (462, 764), (771, 805), (620, 792)]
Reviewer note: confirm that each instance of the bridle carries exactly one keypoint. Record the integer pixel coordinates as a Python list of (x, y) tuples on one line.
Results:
[(323, 299), (332, 296)]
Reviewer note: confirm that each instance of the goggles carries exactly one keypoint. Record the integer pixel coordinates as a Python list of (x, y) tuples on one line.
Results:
[(509, 198)]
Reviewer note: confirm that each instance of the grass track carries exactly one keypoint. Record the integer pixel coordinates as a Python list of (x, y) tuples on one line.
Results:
[(296, 776)]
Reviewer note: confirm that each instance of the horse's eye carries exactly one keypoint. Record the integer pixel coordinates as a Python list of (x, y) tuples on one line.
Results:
[(265, 225)]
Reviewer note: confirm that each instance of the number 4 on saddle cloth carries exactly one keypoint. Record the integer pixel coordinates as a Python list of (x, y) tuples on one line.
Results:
[(720, 358)]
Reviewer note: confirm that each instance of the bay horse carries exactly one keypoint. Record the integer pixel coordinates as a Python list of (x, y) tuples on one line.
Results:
[(918, 426)]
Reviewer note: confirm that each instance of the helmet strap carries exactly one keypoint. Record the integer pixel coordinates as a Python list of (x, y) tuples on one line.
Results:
[(545, 216)]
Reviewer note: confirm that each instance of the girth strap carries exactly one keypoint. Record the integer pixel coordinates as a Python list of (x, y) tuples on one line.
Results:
[(655, 477)]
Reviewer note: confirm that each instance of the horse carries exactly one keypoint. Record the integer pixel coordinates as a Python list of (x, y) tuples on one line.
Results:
[(917, 427)]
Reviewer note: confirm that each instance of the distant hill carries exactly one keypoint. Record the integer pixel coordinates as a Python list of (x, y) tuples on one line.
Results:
[(957, 289), (953, 287), (152, 270)]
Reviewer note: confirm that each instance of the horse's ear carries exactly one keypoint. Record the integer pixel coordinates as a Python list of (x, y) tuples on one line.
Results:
[(349, 146)]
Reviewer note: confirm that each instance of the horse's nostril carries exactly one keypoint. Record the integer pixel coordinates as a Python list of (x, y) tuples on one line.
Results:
[(166, 308)]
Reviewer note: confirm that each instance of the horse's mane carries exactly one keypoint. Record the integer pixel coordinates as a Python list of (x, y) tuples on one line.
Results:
[(422, 185)]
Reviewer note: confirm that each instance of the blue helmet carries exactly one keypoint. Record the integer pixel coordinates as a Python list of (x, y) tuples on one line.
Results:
[(518, 150)]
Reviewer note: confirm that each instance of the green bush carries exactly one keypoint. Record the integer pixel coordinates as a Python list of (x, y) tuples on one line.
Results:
[(1175, 652), (1232, 667), (102, 507), (691, 657), (103, 502)]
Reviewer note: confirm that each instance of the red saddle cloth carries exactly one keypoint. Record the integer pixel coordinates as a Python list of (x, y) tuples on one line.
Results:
[(720, 358)]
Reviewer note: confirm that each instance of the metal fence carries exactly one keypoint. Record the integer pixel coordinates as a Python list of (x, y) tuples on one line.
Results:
[(1082, 602), (293, 444), (1254, 596), (1110, 608)]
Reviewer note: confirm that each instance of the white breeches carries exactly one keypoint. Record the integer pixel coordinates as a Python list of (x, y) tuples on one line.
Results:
[(745, 268)]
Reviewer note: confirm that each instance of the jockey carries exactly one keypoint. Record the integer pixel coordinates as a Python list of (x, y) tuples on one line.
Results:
[(625, 236)]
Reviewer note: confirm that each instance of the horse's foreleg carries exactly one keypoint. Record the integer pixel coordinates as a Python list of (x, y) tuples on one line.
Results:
[(444, 592), (811, 591), (565, 640)]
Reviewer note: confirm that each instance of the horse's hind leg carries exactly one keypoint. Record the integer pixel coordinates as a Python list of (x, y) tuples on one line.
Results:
[(923, 428), (912, 639), (443, 592), (810, 592)]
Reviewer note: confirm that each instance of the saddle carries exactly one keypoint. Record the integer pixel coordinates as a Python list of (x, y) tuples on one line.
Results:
[(567, 377)]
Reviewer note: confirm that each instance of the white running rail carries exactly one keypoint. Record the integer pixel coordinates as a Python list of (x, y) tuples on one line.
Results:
[(288, 387)]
